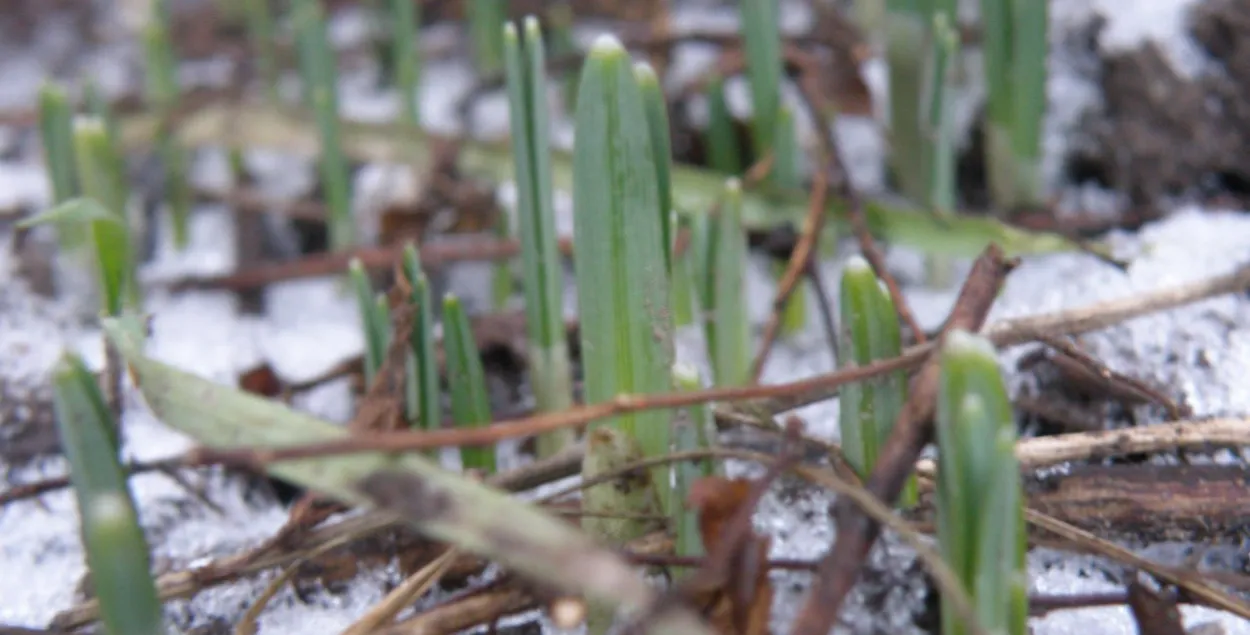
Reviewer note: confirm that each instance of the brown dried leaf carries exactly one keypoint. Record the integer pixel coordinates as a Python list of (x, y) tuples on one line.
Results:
[(261, 380), (742, 601), (1154, 611)]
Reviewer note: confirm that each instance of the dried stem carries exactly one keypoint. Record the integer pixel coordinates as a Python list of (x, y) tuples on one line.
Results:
[(800, 260)]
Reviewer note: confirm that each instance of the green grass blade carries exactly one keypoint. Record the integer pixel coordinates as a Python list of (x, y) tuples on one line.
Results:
[(470, 406), (695, 190), (424, 405), (163, 92), (729, 329), (501, 278), (762, 42), (486, 19), (906, 26), (260, 32), (682, 281), (1031, 22), (979, 497), (375, 341), (405, 23), (320, 77), (940, 126), (693, 430), (439, 504), (543, 279), (787, 174), (117, 552), (622, 279), (661, 145), (615, 512), (110, 242), (56, 133), (724, 154)]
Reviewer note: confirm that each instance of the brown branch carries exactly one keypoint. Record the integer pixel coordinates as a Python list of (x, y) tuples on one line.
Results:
[(800, 259), (408, 440), (1117, 384), (372, 258), (840, 178), (856, 532)]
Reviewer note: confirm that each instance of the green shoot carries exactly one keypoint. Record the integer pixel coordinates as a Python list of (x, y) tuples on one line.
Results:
[(405, 22), (940, 129), (117, 552), (622, 280), (486, 19), (728, 329), (110, 241), (980, 501), (550, 373), (870, 332), (762, 41), (661, 145), (786, 173), (376, 328), (260, 33), (163, 93), (1015, 51), (319, 72), (694, 430), (724, 154), (618, 511), (470, 407), (422, 398), (56, 131)]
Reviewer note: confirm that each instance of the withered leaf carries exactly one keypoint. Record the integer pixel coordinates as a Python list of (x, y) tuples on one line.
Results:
[(742, 601)]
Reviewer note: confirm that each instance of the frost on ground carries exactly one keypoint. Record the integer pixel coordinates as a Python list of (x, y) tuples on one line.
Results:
[(1201, 353)]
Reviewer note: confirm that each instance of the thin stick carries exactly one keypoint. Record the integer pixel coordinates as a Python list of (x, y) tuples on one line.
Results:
[(1118, 383), (402, 441), (841, 180), (403, 595), (800, 259)]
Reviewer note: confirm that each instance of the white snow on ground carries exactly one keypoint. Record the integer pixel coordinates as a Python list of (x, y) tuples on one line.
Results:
[(1201, 352)]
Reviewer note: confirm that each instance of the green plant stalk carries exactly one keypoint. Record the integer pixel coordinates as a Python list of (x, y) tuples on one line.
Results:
[(906, 30), (695, 190), (560, 22), (260, 34), (101, 179), (786, 174), (486, 19), (56, 133), (162, 92), (724, 154), (762, 44), (693, 430), (979, 497), (470, 406), (622, 280), (317, 64), (468, 514), (662, 146), (618, 511), (870, 332), (375, 340), (543, 279), (110, 245), (682, 279), (729, 329), (940, 125), (422, 386), (405, 23), (501, 279), (117, 552), (1015, 48)]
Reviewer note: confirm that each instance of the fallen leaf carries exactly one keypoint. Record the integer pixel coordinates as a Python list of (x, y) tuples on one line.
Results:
[(741, 601)]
